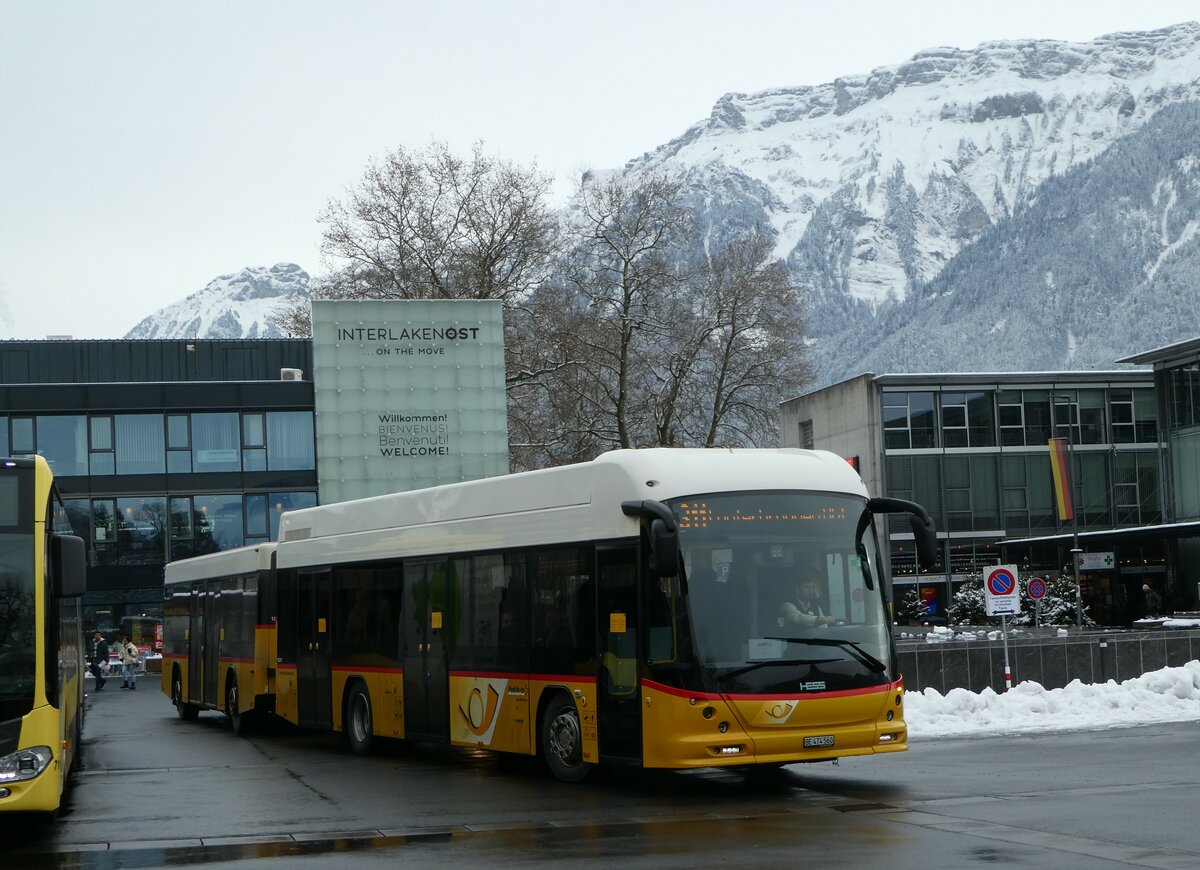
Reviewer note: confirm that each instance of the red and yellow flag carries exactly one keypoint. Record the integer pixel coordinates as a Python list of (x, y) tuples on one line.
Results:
[(1061, 471)]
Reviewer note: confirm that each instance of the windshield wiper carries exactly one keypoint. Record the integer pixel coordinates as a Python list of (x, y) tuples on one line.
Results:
[(756, 665), (857, 651)]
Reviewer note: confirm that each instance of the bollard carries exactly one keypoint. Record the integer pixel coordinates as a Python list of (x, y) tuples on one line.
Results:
[(1103, 647)]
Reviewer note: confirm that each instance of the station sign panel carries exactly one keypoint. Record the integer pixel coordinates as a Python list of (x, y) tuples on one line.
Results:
[(409, 394)]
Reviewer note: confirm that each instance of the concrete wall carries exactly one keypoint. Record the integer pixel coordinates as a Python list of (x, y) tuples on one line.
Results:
[(845, 420), (1053, 662)]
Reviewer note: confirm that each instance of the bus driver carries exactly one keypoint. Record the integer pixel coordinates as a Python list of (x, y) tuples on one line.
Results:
[(806, 608)]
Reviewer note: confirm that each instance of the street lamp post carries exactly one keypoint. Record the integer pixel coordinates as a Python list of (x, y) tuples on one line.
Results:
[(1075, 551)]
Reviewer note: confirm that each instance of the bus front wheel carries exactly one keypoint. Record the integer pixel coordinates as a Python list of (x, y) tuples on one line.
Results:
[(187, 712), (562, 740), (358, 724)]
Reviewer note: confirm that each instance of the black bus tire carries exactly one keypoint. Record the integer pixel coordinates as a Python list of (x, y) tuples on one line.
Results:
[(562, 740), (358, 724), (238, 721), (186, 712)]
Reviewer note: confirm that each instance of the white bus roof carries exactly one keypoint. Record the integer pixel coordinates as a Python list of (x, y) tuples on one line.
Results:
[(227, 563), (567, 503)]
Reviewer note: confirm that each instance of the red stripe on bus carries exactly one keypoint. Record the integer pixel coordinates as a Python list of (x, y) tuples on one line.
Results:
[(270, 627), (238, 661), (179, 656), (368, 670), (711, 696)]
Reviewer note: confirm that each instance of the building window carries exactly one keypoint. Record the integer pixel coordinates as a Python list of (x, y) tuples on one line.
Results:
[(139, 443), (254, 442), (216, 443), (219, 522), (806, 434), (101, 458), (141, 531), (968, 419), (22, 435), (1011, 416), (179, 444), (290, 441), (908, 421), (256, 519), (4, 436), (104, 531), (63, 441)]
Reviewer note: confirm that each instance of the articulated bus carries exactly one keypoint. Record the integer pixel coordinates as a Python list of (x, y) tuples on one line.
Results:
[(623, 610), (41, 649)]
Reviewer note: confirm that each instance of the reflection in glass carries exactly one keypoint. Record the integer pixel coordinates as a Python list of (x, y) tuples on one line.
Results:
[(63, 441), (288, 501), (218, 522), (141, 531)]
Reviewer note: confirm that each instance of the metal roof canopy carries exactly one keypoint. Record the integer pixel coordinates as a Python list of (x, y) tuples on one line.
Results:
[(1167, 530)]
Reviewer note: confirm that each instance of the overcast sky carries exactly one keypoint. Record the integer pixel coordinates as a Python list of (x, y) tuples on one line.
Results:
[(146, 148)]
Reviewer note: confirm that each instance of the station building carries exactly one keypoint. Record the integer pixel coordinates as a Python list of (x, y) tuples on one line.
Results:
[(972, 448), (162, 449)]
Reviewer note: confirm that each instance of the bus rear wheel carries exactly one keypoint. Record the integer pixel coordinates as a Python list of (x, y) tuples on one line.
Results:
[(187, 712), (562, 740), (358, 724), (238, 721)]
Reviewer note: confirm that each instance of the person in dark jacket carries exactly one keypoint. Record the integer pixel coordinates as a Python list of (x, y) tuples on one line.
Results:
[(99, 659), (1153, 600)]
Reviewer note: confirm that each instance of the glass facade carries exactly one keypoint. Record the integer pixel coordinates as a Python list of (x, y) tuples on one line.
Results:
[(988, 476), (77, 445)]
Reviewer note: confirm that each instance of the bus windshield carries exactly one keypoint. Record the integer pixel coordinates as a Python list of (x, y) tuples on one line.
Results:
[(17, 601), (782, 596)]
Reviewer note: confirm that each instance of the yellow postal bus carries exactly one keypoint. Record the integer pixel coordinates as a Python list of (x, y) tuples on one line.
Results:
[(633, 609), (41, 650)]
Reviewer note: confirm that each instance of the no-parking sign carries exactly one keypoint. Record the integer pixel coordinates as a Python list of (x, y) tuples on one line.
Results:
[(1002, 597), (1036, 587)]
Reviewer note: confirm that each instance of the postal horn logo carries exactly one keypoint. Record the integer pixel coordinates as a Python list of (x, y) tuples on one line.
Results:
[(480, 714)]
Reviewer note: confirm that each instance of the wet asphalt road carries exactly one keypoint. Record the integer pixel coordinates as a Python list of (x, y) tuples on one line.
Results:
[(159, 792)]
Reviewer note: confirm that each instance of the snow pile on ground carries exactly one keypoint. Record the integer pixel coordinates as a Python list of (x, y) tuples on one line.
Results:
[(1167, 695)]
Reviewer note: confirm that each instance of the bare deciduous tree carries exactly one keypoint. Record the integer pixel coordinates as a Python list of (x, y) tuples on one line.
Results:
[(433, 225)]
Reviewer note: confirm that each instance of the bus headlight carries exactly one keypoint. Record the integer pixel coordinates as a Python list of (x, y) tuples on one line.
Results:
[(26, 764)]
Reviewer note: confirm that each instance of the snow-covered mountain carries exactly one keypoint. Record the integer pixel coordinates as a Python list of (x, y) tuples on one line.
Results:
[(239, 305), (1028, 191), (874, 183)]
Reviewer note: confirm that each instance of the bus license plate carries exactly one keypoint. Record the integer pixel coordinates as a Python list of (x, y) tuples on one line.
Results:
[(823, 740)]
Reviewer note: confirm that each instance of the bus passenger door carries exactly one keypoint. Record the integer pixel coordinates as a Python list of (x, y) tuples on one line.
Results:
[(195, 686), (314, 653), (212, 641), (428, 587), (617, 688)]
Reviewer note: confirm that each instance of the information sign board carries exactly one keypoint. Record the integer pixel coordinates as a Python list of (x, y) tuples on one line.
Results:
[(1002, 597)]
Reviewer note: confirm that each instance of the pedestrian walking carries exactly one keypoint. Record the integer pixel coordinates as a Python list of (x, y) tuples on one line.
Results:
[(1153, 600), (129, 663), (98, 660)]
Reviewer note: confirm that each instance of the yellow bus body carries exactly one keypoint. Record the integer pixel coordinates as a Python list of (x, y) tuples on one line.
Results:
[(55, 723)]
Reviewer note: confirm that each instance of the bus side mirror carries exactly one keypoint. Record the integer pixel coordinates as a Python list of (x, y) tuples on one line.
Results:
[(924, 534), (664, 538), (664, 549), (69, 564)]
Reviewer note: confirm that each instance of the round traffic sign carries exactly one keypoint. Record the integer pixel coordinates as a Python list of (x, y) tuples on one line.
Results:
[(1036, 587), (1001, 582)]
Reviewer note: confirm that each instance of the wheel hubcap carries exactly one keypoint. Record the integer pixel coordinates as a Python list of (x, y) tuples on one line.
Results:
[(361, 720), (565, 741)]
